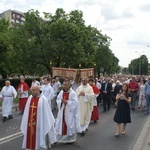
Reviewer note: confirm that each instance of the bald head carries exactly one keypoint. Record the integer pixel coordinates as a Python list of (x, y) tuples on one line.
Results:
[(35, 89), (84, 80), (7, 82)]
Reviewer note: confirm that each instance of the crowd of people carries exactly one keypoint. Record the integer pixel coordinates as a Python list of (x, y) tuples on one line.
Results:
[(77, 103)]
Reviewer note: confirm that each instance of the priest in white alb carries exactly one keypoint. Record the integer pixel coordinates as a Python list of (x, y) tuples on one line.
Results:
[(8, 94), (68, 118), (37, 123), (47, 90), (86, 98)]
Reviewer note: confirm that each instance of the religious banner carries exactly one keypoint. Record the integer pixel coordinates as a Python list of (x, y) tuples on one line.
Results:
[(77, 74), (64, 72), (87, 72)]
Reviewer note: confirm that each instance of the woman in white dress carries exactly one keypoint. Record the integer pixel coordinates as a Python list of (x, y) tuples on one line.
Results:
[(142, 99)]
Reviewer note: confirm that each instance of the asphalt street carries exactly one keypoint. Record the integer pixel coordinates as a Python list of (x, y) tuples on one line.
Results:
[(100, 135)]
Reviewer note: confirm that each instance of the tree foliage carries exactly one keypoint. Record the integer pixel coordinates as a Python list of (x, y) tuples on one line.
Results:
[(60, 40), (139, 66)]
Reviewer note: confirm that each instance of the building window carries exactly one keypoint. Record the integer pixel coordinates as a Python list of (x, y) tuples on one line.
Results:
[(12, 20), (17, 21), (22, 18), (18, 16), (14, 15)]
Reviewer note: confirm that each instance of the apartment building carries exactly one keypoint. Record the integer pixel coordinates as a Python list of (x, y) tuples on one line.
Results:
[(13, 16)]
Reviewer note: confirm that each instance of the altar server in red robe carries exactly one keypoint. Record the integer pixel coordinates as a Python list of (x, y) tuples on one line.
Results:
[(95, 114), (23, 89)]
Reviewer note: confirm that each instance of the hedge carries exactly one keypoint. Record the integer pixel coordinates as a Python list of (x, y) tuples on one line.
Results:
[(15, 82)]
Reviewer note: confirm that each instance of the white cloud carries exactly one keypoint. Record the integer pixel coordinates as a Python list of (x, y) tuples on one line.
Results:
[(125, 21)]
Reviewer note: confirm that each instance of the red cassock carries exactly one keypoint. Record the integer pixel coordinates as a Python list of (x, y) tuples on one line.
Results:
[(95, 114), (64, 126), (31, 126), (23, 101)]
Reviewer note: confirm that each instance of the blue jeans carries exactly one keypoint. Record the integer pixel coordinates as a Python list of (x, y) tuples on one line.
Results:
[(147, 103), (133, 99)]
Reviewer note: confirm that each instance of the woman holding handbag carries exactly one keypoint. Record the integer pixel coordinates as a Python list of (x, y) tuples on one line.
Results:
[(122, 114)]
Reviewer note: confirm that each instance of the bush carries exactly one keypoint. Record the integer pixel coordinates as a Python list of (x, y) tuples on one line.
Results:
[(15, 82)]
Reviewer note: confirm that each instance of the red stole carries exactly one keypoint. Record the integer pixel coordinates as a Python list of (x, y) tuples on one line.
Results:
[(64, 126), (31, 126), (25, 86)]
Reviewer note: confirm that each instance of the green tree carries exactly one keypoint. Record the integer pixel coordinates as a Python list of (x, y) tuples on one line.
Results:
[(60, 40), (5, 47), (139, 66)]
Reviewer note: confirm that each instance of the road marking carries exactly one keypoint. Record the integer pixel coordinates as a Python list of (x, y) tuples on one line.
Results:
[(10, 137)]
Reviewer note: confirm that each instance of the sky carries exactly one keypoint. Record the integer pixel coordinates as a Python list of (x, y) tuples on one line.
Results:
[(127, 22)]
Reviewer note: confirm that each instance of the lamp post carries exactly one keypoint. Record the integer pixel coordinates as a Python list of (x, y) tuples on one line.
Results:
[(51, 64), (95, 69), (131, 62), (139, 61)]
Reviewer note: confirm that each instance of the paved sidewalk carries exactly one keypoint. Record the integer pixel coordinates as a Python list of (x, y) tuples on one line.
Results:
[(143, 141)]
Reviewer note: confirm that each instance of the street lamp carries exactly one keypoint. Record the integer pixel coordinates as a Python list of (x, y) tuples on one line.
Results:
[(139, 61), (79, 65), (50, 63)]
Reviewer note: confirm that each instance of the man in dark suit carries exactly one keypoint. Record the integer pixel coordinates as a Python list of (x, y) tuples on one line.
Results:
[(106, 94)]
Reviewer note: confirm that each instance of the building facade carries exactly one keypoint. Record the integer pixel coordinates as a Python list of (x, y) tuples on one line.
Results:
[(13, 16)]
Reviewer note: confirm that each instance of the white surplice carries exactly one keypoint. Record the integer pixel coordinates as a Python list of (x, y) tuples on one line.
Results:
[(72, 118), (8, 95), (44, 126), (56, 87), (85, 105), (48, 92), (35, 83)]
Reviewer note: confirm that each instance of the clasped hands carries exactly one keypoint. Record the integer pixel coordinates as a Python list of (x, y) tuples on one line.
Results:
[(82, 94), (105, 92), (64, 101)]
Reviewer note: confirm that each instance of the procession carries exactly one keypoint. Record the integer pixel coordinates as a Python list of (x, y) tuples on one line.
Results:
[(77, 104), (74, 75)]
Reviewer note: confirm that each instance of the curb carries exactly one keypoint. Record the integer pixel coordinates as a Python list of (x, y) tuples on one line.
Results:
[(143, 140)]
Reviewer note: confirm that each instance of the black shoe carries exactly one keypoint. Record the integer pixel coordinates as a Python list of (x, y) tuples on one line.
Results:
[(10, 117), (83, 133), (21, 113), (95, 121), (146, 114), (4, 119)]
